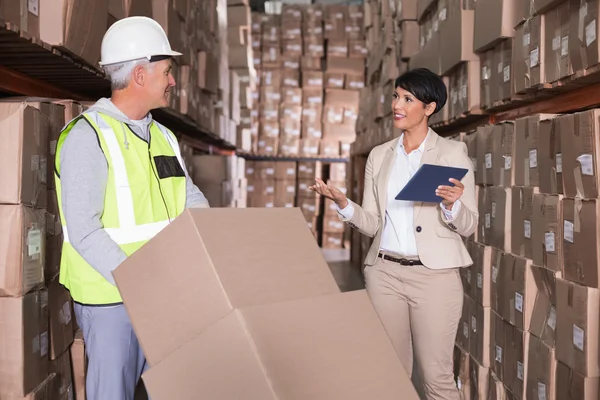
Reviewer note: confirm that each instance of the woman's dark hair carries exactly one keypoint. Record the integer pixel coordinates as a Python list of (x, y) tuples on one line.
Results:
[(425, 86)]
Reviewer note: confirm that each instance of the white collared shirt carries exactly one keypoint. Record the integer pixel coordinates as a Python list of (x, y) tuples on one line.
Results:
[(399, 231)]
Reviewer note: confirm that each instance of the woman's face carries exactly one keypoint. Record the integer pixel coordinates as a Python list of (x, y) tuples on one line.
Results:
[(408, 111)]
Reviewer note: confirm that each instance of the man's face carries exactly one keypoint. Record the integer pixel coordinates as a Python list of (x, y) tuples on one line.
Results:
[(159, 83)]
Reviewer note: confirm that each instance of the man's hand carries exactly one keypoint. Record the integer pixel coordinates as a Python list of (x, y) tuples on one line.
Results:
[(450, 194), (330, 192)]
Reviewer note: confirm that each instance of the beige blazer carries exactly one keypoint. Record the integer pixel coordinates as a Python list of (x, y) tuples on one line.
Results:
[(439, 241)]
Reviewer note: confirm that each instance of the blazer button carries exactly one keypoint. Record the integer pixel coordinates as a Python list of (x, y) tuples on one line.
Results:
[(418, 229)]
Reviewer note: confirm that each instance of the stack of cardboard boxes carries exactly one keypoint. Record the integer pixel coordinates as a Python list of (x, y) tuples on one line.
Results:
[(311, 64), (530, 314), (221, 179), (287, 183), (38, 325)]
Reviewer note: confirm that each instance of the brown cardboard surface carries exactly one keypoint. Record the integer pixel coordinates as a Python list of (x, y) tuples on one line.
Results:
[(467, 274), (541, 370), (583, 43), (457, 34), (78, 363), (482, 269), (23, 156), (77, 26), (580, 148), (515, 368), (62, 368), (522, 221), (547, 231), (516, 290), (47, 390), (500, 220), (550, 155), (485, 155), (461, 372), (484, 206), (487, 78), (292, 350), (429, 55), (543, 319), (480, 334), (23, 344), (498, 346), (504, 60), (571, 385), (463, 337), (581, 241), (61, 322), (529, 54), (309, 169), (494, 21), (557, 61), (496, 283), (577, 327), (222, 282), (22, 244), (480, 380)]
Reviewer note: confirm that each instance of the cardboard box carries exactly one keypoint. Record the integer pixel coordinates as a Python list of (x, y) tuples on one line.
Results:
[(522, 218), (547, 231), (24, 343), (285, 170), (515, 368), (61, 367), (498, 347), (500, 220), (480, 334), (464, 337), (258, 344), (309, 147), (464, 93), (516, 291), (309, 170), (527, 157), (557, 61), (496, 283), (577, 327), (61, 322), (494, 21), (529, 54), (543, 319), (75, 26), (571, 385), (428, 56), (484, 223), (581, 241), (541, 370), (482, 269), (580, 148), (488, 79), (22, 244), (480, 379), (467, 274), (24, 155), (215, 269), (549, 154), (457, 33), (462, 372), (332, 240), (584, 47)]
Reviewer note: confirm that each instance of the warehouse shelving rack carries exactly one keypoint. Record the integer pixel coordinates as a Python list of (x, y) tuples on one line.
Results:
[(30, 67)]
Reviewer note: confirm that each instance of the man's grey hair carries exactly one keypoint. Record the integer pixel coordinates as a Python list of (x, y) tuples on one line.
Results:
[(120, 74)]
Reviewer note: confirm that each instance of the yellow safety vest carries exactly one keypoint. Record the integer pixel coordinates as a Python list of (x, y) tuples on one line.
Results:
[(145, 190)]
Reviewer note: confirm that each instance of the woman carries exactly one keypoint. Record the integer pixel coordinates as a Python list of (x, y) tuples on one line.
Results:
[(412, 267)]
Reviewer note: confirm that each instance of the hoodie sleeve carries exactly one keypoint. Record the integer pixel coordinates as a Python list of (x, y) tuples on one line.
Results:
[(83, 176)]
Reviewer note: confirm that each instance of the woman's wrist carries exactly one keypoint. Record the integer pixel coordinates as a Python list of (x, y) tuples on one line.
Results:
[(343, 203)]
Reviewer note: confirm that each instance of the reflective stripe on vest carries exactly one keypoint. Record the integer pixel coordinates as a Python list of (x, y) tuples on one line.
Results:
[(122, 209)]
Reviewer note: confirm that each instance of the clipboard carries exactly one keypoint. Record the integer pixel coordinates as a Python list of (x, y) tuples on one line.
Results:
[(423, 184)]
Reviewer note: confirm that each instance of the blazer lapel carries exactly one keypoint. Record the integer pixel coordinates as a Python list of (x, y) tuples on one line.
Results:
[(430, 156), (384, 175)]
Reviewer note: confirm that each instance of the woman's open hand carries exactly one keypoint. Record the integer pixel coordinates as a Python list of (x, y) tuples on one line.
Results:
[(450, 194), (330, 192)]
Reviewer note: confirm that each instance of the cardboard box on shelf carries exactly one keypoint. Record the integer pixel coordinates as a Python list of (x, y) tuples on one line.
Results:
[(217, 267), (549, 154), (522, 221), (309, 147), (515, 368), (461, 372), (516, 291), (457, 33), (22, 244), (79, 364), (541, 370), (571, 385), (581, 241), (543, 319), (259, 342), (24, 154), (464, 89), (494, 21), (580, 148), (529, 54), (557, 61), (480, 334), (24, 337), (463, 337), (584, 47), (577, 327), (480, 379), (332, 240), (527, 165), (547, 232), (499, 217), (61, 367), (78, 27), (498, 346), (488, 80), (61, 321)]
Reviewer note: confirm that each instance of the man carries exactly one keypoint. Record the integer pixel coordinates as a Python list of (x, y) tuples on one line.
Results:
[(120, 179)]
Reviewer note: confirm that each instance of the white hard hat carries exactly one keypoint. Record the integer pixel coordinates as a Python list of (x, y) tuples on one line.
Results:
[(134, 38)]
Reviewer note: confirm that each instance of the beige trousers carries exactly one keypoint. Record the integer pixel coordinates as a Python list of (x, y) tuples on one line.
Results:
[(420, 309)]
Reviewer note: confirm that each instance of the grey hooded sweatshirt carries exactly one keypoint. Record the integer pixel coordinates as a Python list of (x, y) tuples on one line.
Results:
[(83, 175)]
